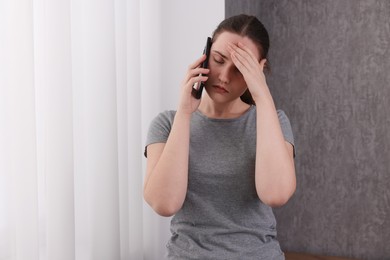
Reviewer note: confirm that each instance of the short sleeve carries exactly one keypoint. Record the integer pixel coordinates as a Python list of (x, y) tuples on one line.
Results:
[(286, 128), (159, 129)]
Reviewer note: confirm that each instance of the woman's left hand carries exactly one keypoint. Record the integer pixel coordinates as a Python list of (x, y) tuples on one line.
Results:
[(251, 69)]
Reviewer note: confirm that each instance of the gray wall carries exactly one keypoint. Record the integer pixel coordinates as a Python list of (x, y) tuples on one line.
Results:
[(330, 65)]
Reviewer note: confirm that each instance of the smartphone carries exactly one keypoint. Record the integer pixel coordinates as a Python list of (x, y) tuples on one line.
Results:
[(198, 87)]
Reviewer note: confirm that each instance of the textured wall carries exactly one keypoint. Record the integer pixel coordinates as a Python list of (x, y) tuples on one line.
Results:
[(330, 65)]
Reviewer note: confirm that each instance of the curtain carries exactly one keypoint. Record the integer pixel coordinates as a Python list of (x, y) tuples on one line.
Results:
[(80, 81), (75, 103)]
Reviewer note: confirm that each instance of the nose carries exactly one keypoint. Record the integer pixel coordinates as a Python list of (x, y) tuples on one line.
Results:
[(224, 76)]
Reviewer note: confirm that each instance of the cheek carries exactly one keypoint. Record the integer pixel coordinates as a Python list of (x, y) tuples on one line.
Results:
[(239, 79), (213, 71), (241, 86)]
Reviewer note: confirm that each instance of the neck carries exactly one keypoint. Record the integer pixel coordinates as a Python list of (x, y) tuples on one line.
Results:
[(231, 109)]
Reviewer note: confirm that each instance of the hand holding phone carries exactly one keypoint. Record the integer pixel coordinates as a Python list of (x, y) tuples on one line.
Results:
[(198, 87)]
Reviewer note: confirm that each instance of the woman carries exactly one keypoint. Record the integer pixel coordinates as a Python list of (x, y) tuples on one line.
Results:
[(219, 164)]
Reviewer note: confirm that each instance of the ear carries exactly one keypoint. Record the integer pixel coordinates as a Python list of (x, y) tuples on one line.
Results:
[(267, 66), (263, 63)]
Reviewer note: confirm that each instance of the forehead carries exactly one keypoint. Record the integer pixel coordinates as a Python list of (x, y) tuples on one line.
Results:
[(226, 37)]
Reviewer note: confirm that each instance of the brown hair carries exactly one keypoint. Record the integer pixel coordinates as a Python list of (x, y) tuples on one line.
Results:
[(251, 27)]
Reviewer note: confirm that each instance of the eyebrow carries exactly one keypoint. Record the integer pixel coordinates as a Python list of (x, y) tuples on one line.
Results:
[(223, 56)]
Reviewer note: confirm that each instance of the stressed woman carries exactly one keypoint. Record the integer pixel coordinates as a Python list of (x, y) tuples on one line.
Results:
[(220, 163)]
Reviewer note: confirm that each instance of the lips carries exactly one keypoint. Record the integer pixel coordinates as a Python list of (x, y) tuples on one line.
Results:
[(220, 89)]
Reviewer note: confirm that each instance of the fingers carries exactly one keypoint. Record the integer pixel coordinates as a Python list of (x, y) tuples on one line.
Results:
[(197, 62), (197, 79), (194, 70), (239, 64), (244, 58), (243, 54), (240, 58), (195, 74)]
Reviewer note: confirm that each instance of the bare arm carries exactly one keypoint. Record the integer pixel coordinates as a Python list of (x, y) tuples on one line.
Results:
[(275, 172), (166, 180), (167, 169)]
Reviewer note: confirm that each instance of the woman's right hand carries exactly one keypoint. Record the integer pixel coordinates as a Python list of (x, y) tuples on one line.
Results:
[(189, 104)]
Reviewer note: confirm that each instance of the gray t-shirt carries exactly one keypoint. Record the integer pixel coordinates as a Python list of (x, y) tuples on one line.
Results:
[(222, 217)]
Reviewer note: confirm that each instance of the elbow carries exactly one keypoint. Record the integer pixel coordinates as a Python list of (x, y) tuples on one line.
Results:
[(276, 193), (164, 210), (162, 207), (275, 201), (278, 198)]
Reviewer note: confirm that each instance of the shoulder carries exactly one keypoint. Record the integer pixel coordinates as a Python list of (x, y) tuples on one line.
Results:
[(286, 126), (281, 114), (161, 124), (166, 115), (164, 118), (283, 118), (160, 128)]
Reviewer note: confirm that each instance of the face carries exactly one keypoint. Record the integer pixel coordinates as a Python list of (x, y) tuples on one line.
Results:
[(226, 82)]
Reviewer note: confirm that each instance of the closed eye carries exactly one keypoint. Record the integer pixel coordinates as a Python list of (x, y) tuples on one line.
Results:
[(219, 61), (219, 57)]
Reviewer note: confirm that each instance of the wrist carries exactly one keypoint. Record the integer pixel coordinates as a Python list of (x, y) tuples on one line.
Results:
[(263, 98), (183, 114)]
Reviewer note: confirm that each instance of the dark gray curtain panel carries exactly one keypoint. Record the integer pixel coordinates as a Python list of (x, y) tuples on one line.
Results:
[(330, 73)]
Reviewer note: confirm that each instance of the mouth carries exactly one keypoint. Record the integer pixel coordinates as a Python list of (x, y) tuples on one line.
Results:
[(220, 89)]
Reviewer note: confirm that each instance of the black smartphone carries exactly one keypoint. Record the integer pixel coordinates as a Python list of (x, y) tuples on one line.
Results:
[(198, 87)]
